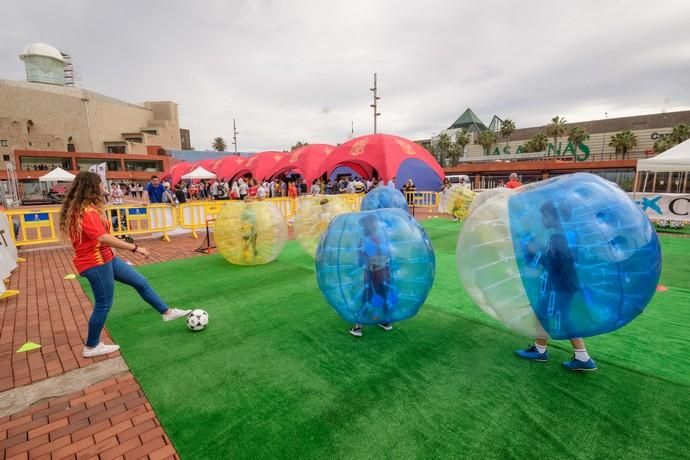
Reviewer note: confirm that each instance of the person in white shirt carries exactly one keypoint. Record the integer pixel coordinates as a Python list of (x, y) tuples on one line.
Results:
[(315, 188), (243, 188), (116, 194), (261, 192), (350, 188)]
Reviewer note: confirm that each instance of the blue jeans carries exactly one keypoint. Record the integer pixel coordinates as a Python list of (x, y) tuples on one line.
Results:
[(102, 280)]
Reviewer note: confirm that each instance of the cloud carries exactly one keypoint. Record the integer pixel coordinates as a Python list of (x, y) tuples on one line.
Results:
[(291, 71)]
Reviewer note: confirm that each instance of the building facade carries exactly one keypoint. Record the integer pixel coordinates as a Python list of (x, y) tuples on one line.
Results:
[(488, 168), (46, 122)]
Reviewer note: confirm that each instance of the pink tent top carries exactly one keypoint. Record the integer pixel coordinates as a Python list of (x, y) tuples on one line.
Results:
[(263, 164), (177, 171), (229, 167), (305, 160), (383, 152)]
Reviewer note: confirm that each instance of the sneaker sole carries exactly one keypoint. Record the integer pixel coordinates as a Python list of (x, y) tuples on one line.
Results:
[(355, 335), (582, 370)]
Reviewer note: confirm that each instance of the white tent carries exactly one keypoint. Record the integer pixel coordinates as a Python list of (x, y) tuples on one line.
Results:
[(57, 175), (199, 173), (675, 159)]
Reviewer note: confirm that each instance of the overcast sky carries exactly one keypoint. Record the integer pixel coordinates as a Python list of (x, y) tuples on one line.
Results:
[(301, 70)]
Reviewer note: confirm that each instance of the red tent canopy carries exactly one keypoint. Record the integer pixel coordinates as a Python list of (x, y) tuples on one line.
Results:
[(206, 164), (304, 160), (263, 164), (177, 171), (230, 166), (383, 152)]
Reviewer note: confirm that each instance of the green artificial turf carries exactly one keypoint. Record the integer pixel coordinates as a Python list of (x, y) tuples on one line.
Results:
[(276, 375)]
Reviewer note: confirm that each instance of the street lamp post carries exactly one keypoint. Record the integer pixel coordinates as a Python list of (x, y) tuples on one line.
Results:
[(234, 135), (603, 139), (375, 104)]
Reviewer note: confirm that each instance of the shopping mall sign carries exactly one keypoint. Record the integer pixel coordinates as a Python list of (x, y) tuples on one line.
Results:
[(581, 153)]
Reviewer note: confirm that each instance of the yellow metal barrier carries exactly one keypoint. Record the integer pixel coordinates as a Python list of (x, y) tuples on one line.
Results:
[(36, 226), (423, 199), (193, 215), (353, 200), (140, 219)]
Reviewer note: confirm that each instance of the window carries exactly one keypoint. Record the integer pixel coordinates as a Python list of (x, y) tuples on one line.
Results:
[(116, 149), (143, 165), (30, 144), (44, 163), (5, 158), (48, 144), (3, 142), (70, 148)]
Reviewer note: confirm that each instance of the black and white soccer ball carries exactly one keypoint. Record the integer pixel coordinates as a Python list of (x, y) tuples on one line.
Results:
[(662, 224), (676, 224), (197, 320)]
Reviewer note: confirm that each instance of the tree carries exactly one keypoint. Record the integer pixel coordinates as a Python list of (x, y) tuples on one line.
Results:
[(507, 129), (623, 142), (680, 133), (538, 143), (577, 135), (556, 129), (663, 144), (486, 140), (462, 138), (219, 144), (443, 147), (298, 145)]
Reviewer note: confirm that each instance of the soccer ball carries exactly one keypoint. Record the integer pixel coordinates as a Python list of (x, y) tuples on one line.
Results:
[(197, 320)]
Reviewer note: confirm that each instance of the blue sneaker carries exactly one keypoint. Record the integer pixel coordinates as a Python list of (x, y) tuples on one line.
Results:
[(533, 354), (577, 365)]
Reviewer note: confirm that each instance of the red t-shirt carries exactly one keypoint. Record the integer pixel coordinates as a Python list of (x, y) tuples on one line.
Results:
[(513, 184), (89, 252), (252, 190)]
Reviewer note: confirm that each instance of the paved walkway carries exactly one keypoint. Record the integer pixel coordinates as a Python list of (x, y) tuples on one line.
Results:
[(110, 419), (107, 419)]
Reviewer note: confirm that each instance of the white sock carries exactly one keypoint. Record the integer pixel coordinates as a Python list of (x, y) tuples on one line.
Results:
[(581, 355), (540, 348)]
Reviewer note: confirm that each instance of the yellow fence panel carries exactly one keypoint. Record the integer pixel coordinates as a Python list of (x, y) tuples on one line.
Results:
[(36, 226), (142, 219), (423, 199)]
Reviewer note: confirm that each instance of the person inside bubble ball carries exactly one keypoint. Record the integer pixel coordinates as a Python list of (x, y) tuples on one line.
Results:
[(248, 232), (325, 215), (559, 284), (375, 257)]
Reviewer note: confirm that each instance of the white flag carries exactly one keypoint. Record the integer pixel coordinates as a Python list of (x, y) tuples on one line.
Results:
[(101, 169)]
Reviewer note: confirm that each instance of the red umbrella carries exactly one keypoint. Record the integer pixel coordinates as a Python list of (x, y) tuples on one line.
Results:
[(305, 160)]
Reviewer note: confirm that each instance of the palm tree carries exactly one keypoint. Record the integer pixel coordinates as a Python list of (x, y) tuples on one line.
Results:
[(298, 144), (462, 138), (507, 129), (680, 133), (556, 129), (663, 144), (486, 140), (443, 147), (623, 142), (219, 144), (539, 142), (577, 135)]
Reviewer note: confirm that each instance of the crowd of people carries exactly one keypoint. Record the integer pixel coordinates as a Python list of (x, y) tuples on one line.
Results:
[(158, 191)]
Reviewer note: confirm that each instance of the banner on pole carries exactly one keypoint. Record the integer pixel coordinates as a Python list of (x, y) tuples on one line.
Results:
[(101, 169)]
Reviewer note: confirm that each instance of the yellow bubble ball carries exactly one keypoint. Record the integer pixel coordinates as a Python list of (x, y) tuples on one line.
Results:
[(250, 233), (314, 213), (459, 201)]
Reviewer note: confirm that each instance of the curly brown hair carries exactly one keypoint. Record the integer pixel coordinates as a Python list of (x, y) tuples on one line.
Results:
[(84, 193)]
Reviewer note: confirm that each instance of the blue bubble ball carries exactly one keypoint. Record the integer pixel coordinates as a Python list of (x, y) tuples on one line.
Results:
[(384, 197), (565, 258), (375, 267)]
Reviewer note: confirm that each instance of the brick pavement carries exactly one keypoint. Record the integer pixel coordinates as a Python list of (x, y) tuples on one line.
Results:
[(54, 312)]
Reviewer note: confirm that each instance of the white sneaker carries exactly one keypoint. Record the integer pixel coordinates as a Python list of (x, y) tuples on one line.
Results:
[(175, 313), (98, 350)]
